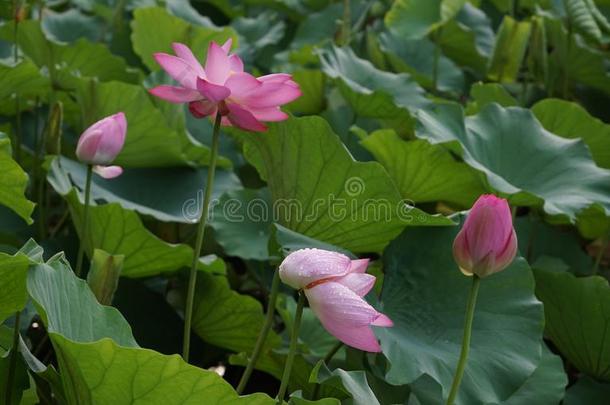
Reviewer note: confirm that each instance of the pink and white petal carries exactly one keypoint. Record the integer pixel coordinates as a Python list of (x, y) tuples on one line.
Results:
[(178, 69), (242, 84), (361, 337), (121, 122), (383, 321), (236, 64), (275, 77), (202, 108), (108, 172), (88, 144), (338, 303), (217, 67), (184, 52), (212, 92), (271, 114), (344, 315), (175, 94), (359, 265), (271, 95), (506, 256), (360, 283), (242, 118), (304, 266), (227, 45)]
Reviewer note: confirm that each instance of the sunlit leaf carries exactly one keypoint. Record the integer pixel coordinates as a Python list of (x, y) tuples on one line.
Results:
[(317, 189)]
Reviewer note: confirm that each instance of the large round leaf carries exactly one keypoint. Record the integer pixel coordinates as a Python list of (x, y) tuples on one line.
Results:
[(424, 172), (521, 159), (577, 314), (371, 92), (425, 294), (416, 18), (571, 121), (317, 188), (13, 182), (148, 39), (169, 194)]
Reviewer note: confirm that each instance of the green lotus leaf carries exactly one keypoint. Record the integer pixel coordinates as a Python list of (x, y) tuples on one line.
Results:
[(522, 160), (425, 294), (318, 190)]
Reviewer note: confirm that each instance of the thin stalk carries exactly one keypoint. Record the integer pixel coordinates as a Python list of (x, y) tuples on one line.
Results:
[(262, 337), (600, 254), (190, 296), (459, 372), (37, 181), (81, 248), (293, 348), (12, 362), (331, 353), (346, 26)]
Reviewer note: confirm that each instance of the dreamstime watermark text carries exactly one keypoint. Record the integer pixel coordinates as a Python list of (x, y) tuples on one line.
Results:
[(350, 203)]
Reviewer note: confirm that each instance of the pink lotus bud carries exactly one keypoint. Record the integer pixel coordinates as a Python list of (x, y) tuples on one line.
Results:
[(334, 285), (102, 141), (487, 242)]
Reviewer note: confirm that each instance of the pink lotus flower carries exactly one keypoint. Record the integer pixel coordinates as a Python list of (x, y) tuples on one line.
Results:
[(487, 242), (100, 144), (222, 85), (334, 285)]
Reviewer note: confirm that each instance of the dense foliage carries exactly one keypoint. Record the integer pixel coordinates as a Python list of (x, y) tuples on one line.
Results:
[(410, 110)]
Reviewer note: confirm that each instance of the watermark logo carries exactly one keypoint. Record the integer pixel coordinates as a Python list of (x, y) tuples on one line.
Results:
[(354, 207)]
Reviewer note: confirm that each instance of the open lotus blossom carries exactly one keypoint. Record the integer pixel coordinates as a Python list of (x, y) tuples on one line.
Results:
[(334, 285), (487, 242), (100, 144), (222, 86)]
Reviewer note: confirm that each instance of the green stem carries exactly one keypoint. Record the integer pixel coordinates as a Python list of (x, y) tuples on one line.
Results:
[(331, 353), (12, 362), (600, 254), (293, 348), (37, 181), (262, 337), (190, 296), (459, 372), (81, 248), (346, 25)]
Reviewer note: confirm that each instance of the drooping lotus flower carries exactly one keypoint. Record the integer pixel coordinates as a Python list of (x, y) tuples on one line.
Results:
[(487, 242), (222, 86), (334, 285), (100, 144)]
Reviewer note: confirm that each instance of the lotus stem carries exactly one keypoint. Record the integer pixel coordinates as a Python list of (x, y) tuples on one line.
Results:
[(459, 372), (10, 376), (190, 296), (81, 249), (292, 350), (262, 337)]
